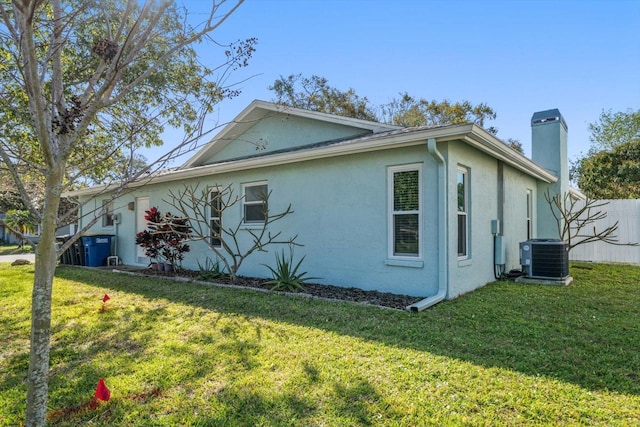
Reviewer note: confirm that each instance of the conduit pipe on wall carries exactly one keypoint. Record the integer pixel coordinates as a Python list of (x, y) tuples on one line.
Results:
[(443, 227)]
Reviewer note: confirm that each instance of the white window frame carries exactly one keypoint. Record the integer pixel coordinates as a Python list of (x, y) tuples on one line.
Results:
[(107, 215), (464, 213), (391, 238), (211, 217), (246, 203)]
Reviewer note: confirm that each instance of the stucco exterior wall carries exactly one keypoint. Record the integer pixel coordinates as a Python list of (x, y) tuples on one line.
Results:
[(291, 131), (485, 185), (514, 224), (341, 211), (476, 270), (340, 216)]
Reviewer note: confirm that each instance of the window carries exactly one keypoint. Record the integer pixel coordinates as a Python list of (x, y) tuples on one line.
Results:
[(405, 200), (529, 214), (107, 213), (215, 217), (463, 213), (255, 203)]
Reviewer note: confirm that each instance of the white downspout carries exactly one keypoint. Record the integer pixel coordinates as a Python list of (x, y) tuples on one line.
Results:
[(443, 227)]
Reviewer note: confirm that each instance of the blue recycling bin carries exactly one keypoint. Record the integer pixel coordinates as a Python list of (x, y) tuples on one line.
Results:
[(97, 248)]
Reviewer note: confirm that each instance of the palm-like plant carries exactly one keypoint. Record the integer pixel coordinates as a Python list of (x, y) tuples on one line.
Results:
[(285, 275)]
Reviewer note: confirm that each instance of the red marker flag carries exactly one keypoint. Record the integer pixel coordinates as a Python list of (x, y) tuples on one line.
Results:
[(106, 298), (102, 392)]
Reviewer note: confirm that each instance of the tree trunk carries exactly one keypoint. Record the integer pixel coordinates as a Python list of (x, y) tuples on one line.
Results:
[(38, 375)]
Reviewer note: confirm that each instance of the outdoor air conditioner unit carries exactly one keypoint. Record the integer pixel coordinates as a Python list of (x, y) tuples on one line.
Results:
[(545, 259)]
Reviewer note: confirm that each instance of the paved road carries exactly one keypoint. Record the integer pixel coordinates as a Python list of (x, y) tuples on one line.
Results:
[(11, 258)]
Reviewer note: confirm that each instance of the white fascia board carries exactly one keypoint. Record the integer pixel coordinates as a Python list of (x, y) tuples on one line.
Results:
[(365, 144), (258, 110), (240, 123), (577, 194), (484, 141), (325, 117), (469, 133)]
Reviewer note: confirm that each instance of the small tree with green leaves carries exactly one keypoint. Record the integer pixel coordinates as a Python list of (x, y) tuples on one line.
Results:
[(20, 222), (83, 84), (611, 168), (205, 209)]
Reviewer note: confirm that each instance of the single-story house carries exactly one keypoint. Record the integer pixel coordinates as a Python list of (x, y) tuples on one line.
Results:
[(6, 236), (405, 210)]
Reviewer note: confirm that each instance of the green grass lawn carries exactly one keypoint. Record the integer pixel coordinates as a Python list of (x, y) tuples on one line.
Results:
[(188, 354), (15, 249)]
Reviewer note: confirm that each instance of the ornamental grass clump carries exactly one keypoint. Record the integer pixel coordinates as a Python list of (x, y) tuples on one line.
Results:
[(212, 270), (285, 275)]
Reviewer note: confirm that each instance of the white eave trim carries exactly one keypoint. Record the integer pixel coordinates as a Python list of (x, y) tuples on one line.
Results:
[(577, 194), (469, 133), (258, 110), (484, 141)]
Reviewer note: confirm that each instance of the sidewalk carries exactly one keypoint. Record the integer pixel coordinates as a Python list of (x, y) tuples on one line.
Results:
[(11, 258)]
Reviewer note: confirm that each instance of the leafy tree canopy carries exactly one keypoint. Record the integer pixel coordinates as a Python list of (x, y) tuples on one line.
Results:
[(137, 104), (515, 144), (316, 94), (409, 111), (612, 174), (83, 84), (20, 221), (611, 168), (613, 129)]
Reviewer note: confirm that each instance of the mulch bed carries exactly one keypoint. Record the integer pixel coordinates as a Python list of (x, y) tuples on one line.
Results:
[(382, 299)]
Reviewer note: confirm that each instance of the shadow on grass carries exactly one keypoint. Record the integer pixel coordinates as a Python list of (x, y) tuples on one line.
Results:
[(586, 334)]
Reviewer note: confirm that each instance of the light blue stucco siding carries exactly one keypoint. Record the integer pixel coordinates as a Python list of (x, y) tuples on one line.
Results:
[(487, 179), (476, 269), (123, 240), (341, 208), (280, 132), (549, 149), (514, 223), (341, 216)]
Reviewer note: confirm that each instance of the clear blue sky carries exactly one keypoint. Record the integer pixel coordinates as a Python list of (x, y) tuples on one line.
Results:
[(517, 56)]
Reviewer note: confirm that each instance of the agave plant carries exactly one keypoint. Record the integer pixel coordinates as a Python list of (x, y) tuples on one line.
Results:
[(285, 275)]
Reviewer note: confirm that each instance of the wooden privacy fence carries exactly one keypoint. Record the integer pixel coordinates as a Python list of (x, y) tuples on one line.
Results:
[(627, 213)]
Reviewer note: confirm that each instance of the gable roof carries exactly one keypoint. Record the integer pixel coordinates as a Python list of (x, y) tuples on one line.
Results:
[(258, 111), (469, 133)]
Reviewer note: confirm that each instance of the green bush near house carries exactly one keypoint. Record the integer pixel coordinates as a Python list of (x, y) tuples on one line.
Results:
[(194, 354), (211, 270)]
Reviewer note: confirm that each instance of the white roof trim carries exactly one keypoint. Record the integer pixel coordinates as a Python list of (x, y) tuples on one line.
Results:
[(469, 133), (484, 141), (258, 110), (577, 194)]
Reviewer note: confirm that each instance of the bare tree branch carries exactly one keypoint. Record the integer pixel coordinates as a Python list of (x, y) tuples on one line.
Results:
[(572, 221), (196, 204)]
